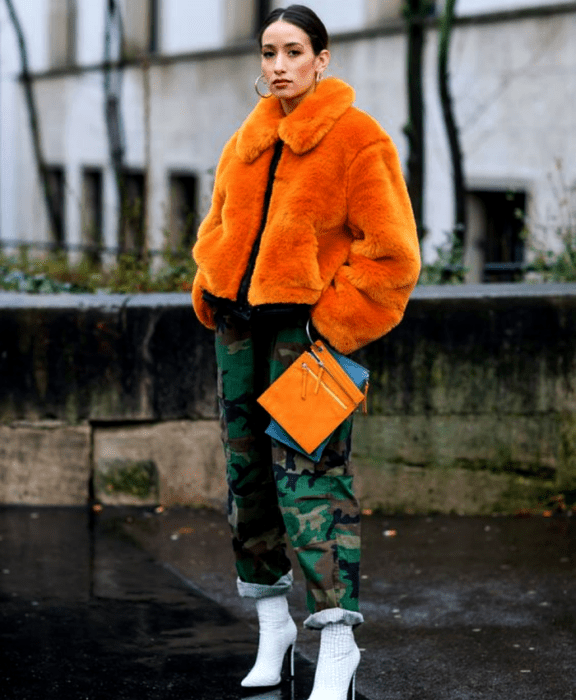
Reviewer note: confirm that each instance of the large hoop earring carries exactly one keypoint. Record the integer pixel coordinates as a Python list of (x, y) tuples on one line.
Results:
[(258, 79)]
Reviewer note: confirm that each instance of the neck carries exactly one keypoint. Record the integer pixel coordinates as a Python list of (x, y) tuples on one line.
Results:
[(290, 105)]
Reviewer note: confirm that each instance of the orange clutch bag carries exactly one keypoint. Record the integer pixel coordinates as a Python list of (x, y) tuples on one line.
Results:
[(314, 396)]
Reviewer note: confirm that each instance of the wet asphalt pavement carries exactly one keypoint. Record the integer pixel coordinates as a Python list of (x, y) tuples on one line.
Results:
[(134, 604), (86, 615)]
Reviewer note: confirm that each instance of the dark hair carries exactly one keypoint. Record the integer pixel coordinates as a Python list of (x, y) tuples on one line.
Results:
[(302, 17)]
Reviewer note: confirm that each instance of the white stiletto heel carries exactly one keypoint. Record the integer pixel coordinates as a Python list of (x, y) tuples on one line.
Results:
[(352, 691), (277, 637), (335, 677)]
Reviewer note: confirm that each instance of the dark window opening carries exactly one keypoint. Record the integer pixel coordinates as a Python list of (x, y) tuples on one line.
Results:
[(92, 214), (183, 212), (154, 26), (416, 8), (502, 241), (132, 233), (141, 26), (62, 32), (57, 188)]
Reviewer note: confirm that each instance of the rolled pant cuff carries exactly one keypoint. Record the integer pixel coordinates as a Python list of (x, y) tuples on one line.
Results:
[(259, 590), (319, 620)]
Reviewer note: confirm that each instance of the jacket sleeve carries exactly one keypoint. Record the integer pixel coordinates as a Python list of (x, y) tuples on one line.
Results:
[(212, 222), (369, 292)]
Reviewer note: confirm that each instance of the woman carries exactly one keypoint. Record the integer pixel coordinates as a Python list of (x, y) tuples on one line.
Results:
[(310, 221)]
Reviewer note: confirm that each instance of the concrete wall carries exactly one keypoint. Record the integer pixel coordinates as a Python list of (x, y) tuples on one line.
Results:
[(472, 405), (474, 401)]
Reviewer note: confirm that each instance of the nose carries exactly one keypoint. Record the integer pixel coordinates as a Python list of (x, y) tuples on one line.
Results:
[(279, 64)]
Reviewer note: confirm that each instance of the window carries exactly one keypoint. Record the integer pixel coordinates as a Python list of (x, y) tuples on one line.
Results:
[(91, 215), (62, 33), (240, 18), (183, 211), (57, 188), (154, 26), (495, 246), (141, 27), (381, 10), (132, 231)]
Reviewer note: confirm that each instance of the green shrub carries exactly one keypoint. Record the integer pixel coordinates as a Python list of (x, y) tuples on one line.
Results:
[(448, 267), (558, 264), (131, 274)]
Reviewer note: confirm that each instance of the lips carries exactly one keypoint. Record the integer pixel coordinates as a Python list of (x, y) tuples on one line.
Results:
[(281, 83)]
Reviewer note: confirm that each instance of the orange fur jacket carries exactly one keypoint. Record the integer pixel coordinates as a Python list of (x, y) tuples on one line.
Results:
[(339, 234)]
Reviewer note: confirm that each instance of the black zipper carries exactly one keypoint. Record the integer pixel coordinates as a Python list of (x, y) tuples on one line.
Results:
[(242, 298)]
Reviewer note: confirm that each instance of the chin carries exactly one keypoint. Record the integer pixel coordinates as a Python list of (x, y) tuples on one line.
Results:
[(290, 94)]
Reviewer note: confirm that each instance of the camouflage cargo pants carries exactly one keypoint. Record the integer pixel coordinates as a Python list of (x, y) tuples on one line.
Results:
[(274, 490)]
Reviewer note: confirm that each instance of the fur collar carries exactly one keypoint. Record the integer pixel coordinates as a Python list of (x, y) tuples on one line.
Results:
[(302, 129)]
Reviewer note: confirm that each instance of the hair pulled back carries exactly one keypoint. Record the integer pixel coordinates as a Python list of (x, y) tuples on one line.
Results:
[(304, 18)]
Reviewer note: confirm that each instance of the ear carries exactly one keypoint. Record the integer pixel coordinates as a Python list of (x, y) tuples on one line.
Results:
[(322, 61)]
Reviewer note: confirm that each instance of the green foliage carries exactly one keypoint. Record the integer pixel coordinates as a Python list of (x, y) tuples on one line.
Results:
[(135, 478), (555, 266), (173, 271), (558, 264), (448, 267)]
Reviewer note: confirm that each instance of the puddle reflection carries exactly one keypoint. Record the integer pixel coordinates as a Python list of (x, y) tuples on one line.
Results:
[(284, 692)]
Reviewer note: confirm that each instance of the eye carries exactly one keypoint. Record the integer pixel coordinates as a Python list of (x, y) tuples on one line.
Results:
[(294, 52), (267, 54)]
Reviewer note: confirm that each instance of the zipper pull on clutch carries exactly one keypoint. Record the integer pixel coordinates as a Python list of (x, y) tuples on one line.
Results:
[(304, 379), (319, 379), (365, 399)]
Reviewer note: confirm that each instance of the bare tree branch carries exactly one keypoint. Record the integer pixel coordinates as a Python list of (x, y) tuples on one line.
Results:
[(54, 217), (113, 47), (452, 133), (415, 12)]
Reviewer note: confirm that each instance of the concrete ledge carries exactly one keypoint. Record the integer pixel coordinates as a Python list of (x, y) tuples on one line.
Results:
[(44, 464), (509, 290), (523, 445), (50, 464), (187, 456), (398, 489), (22, 300)]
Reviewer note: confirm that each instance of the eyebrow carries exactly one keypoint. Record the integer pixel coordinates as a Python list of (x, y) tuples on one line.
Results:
[(291, 43)]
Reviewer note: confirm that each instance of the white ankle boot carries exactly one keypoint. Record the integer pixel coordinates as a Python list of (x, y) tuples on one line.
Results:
[(276, 635), (337, 662)]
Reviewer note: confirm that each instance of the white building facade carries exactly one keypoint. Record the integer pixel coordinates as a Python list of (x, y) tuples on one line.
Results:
[(185, 83)]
